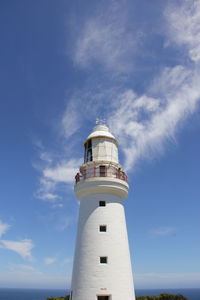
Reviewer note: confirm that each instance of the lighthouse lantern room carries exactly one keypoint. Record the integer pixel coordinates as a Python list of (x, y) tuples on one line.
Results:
[(102, 266)]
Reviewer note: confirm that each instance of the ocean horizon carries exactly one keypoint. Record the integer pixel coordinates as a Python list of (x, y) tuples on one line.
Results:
[(42, 294)]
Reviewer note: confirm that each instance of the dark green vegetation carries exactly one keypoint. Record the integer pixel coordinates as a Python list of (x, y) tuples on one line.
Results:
[(160, 297)]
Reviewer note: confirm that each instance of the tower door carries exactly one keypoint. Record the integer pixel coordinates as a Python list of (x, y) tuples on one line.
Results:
[(103, 297)]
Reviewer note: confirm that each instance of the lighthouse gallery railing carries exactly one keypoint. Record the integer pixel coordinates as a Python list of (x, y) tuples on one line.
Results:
[(101, 171)]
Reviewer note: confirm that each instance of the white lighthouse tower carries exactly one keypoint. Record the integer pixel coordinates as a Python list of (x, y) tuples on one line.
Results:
[(102, 265)]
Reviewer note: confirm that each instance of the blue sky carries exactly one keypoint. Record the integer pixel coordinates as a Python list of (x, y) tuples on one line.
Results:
[(63, 64)]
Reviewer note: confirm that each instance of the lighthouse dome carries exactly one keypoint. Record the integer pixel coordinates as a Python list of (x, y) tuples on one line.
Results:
[(101, 130), (101, 145)]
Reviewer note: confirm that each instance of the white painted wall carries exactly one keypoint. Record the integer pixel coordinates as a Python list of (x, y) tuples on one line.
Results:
[(89, 276), (104, 149)]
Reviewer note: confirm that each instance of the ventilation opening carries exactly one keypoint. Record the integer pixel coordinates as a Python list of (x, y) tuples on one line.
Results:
[(102, 203), (102, 228), (103, 260)]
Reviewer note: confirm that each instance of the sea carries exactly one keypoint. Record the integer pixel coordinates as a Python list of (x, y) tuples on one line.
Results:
[(41, 294)]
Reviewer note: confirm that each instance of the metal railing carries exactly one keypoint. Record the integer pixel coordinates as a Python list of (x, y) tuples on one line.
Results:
[(101, 171)]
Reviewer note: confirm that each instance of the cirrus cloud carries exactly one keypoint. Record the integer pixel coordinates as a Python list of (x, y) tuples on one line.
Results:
[(4, 227), (105, 38), (23, 247)]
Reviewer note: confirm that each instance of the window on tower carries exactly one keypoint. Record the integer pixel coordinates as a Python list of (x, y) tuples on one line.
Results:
[(102, 203), (102, 228), (102, 171), (88, 151), (103, 260)]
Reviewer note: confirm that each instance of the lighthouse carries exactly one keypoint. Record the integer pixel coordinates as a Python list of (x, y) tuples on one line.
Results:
[(102, 265)]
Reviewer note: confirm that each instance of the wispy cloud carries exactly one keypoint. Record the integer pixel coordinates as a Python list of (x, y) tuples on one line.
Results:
[(184, 26), (55, 172), (49, 260), (84, 105), (4, 227), (144, 123), (49, 197), (144, 129), (170, 99), (70, 122), (23, 247), (106, 39), (163, 231), (63, 172)]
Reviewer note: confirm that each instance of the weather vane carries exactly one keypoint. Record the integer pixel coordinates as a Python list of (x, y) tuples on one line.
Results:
[(100, 121)]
